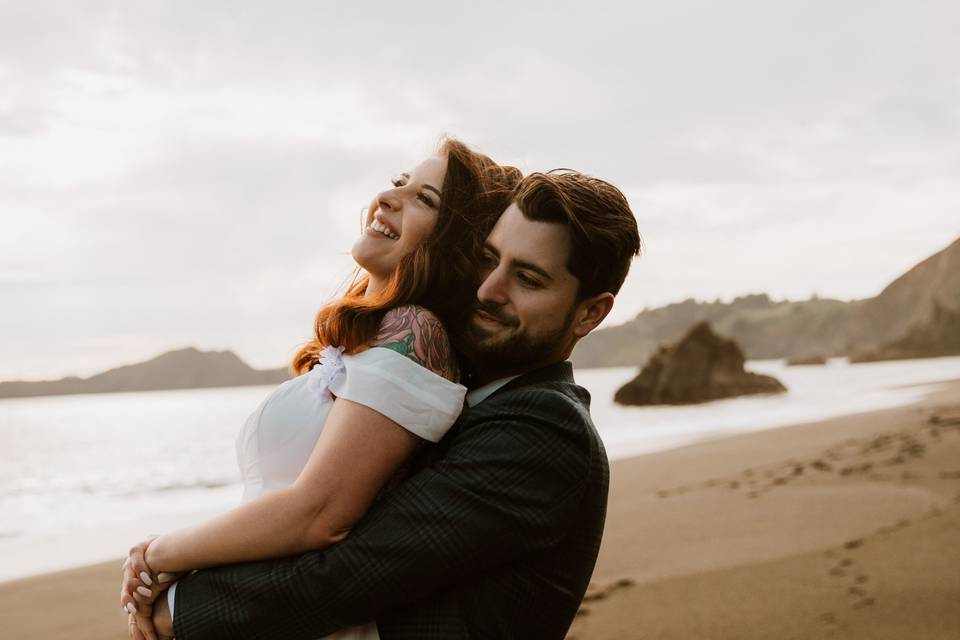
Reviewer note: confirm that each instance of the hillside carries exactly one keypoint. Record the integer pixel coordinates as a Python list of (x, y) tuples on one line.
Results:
[(180, 369), (765, 328), (911, 301)]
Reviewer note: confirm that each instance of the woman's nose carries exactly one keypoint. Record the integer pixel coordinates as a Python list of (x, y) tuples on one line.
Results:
[(388, 201)]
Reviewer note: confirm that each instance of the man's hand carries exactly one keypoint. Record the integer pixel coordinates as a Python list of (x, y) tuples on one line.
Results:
[(161, 618), (154, 624)]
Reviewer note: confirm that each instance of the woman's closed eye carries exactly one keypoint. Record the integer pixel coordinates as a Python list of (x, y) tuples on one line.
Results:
[(427, 200), (401, 181)]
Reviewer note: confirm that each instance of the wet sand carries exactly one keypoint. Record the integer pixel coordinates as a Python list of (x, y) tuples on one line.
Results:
[(845, 528)]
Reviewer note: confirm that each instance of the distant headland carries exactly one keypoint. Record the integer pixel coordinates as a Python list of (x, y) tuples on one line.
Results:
[(915, 316), (180, 369)]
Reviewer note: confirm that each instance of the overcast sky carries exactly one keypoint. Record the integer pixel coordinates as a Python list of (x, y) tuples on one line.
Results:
[(192, 173)]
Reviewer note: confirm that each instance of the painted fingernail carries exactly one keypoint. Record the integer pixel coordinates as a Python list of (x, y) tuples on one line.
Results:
[(131, 608), (145, 578), (165, 577), (143, 591)]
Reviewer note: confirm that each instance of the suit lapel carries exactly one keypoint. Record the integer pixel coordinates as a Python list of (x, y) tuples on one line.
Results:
[(556, 372)]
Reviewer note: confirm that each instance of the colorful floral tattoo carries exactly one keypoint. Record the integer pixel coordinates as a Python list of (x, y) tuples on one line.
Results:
[(416, 333)]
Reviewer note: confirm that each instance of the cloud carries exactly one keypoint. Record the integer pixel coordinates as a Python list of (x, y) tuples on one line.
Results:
[(193, 172)]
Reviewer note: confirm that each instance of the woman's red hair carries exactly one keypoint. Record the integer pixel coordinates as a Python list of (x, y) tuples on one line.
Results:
[(441, 274)]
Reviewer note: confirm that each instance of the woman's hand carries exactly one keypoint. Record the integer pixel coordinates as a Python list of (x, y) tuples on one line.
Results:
[(140, 586)]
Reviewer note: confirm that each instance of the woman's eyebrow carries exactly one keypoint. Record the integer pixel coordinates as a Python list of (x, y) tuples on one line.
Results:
[(426, 186)]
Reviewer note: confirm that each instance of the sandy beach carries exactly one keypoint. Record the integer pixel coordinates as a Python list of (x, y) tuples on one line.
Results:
[(845, 528)]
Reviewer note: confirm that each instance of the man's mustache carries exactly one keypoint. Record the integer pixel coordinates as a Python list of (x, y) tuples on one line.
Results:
[(498, 313)]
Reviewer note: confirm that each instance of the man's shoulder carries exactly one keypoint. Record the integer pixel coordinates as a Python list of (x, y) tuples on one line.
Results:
[(561, 403)]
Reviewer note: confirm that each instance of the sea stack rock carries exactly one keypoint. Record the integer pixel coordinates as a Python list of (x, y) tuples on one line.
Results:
[(701, 367)]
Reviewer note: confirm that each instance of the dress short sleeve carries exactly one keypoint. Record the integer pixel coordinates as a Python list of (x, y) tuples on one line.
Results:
[(416, 398)]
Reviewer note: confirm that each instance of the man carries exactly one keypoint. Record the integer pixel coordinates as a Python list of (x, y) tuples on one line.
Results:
[(497, 533)]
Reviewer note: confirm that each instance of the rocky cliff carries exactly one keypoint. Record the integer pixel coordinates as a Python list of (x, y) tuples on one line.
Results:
[(765, 328)]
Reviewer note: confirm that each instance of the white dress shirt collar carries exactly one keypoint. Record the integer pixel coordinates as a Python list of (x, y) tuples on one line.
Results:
[(478, 395)]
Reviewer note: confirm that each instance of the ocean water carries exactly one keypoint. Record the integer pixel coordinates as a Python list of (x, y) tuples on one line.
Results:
[(83, 477)]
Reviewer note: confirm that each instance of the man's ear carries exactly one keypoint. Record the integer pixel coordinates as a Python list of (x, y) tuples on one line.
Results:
[(590, 313)]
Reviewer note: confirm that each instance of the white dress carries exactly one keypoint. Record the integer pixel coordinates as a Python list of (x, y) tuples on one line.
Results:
[(277, 439)]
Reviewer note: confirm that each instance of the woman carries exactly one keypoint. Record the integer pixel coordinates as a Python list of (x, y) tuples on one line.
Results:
[(379, 378)]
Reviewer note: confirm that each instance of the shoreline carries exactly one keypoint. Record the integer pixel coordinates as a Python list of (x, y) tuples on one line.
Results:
[(844, 527), (721, 538)]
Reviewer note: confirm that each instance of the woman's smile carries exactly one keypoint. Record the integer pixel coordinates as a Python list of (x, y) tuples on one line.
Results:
[(378, 228)]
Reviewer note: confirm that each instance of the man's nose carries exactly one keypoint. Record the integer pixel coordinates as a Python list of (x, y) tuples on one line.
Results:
[(493, 288)]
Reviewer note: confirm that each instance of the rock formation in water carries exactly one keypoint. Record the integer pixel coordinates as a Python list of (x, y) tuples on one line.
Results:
[(800, 361), (701, 367)]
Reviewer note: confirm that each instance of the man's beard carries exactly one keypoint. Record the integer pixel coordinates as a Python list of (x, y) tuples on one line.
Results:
[(516, 351)]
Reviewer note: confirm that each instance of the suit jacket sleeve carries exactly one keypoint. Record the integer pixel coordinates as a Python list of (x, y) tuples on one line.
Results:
[(509, 484)]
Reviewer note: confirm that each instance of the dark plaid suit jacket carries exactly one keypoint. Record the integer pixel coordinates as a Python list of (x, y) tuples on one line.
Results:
[(495, 536)]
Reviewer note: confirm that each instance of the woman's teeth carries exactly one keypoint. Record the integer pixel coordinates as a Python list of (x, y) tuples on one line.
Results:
[(377, 226)]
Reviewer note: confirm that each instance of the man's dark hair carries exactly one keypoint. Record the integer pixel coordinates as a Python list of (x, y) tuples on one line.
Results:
[(603, 231)]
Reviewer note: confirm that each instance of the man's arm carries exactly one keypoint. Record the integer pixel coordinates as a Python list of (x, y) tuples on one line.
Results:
[(506, 487)]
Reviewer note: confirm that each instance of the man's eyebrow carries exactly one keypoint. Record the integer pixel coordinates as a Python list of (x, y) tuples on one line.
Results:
[(519, 264)]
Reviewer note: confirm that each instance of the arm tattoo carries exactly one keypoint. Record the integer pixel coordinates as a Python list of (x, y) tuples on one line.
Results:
[(417, 334)]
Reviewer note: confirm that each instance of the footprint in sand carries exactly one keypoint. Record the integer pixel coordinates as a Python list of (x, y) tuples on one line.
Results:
[(944, 419), (829, 618), (601, 592), (820, 465), (859, 463), (858, 587), (857, 592)]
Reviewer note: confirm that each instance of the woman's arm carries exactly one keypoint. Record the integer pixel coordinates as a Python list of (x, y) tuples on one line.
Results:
[(356, 453), (358, 450)]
